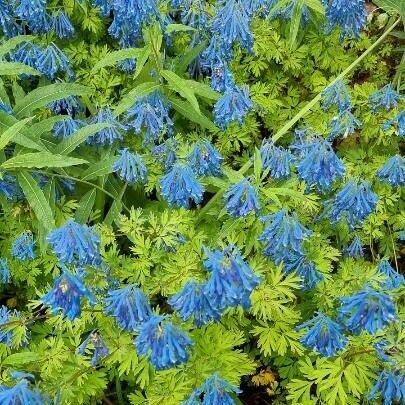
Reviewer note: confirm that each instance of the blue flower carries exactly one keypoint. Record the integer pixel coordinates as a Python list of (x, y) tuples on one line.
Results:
[(6, 335), (53, 60), (20, 394), (350, 15), (391, 386), (242, 199), (67, 127), (98, 346), (179, 187), (74, 243), (304, 268), (283, 236), (385, 97), (355, 249), (215, 60), (106, 136), (343, 124), (152, 114), (368, 310), (66, 293), (10, 188), (399, 122), (205, 160), (319, 165), (4, 271), (62, 25), (231, 24), (192, 301), (355, 202), (382, 348), (27, 53), (164, 343), (4, 107), (276, 159), (231, 280), (323, 335), (286, 12), (165, 153), (193, 399), (68, 106), (23, 247), (393, 172), (8, 22), (393, 278), (216, 391), (336, 95), (103, 5), (130, 167), (233, 106), (33, 12), (129, 306)]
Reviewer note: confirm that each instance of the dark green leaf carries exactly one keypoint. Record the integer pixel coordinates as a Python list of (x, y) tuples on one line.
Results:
[(86, 205)]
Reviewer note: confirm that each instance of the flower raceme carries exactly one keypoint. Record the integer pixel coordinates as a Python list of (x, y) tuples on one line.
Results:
[(130, 167), (390, 386), (23, 247), (96, 343), (393, 171), (393, 279), (20, 394), (205, 160), (355, 249)]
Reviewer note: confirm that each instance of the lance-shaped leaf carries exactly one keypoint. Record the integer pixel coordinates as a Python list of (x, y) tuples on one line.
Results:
[(39, 160), (17, 68)]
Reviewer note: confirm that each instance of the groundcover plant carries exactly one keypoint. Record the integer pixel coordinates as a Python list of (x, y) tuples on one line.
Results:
[(202, 202)]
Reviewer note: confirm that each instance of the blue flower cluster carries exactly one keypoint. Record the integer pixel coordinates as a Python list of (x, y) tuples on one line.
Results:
[(130, 167), (393, 171), (399, 122), (205, 160), (20, 394), (74, 243), (391, 386), (230, 284), (242, 199), (385, 97), (215, 390), (23, 247), (393, 279), (276, 160), (6, 335), (66, 294), (355, 249), (109, 135), (96, 343)]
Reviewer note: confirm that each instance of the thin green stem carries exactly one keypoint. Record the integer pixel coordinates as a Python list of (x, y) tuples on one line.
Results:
[(300, 115), (118, 389)]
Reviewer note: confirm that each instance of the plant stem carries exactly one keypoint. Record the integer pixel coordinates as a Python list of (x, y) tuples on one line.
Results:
[(300, 115), (118, 390)]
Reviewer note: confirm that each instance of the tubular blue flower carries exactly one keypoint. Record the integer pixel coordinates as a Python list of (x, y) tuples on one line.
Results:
[(33, 13), (194, 14), (276, 159), (382, 348), (393, 278), (103, 5), (323, 335), (355, 202), (67, 106), (4, 271), (66, 128), (241, 199), (393, 172), (27, 53), (129, 306), (165, 153), (20, 394), (304, 268), (152, 114), (97, 344), (385, 97), (5, 108), (179, 187), (283, 236), (399, 122), (336, 95), (130, 167), (319, 166), (7, 20), (343, 124), (231, 280), (66, 293), (391, 386), (106, 136), (74, 243), (233, 106), (164, 343), (350, 15), (23, 247), (205, 160), (216, 391), (286, 13), (193, 399), (355, 249), (52, 61), (368, 310), (192, 301), (10, 188), (62, 25), (6, 336), (216, 57), (231, 23)]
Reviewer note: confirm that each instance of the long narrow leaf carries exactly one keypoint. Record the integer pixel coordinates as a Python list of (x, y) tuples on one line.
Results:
[(17, 68), (113, 58), (39, 160), (9, 134), (99, 169), (86, 205)]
